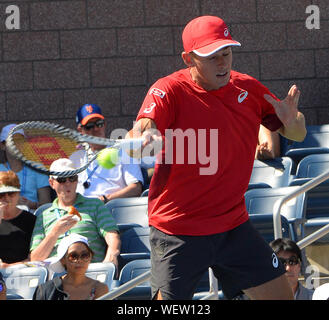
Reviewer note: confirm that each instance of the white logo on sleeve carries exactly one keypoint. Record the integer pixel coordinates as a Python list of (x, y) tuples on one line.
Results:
[(275, 260), (243, 95), (157, 92), (150, 108)]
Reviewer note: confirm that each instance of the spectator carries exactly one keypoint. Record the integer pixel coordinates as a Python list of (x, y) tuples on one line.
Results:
[(290, 256), (74, 256), (35, 189), (124, 180), (16, 226), (268, 146), (97, 224)]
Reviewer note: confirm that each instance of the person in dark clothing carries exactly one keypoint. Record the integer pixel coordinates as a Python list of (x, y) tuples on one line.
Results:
[(16, 225), (74, 256)]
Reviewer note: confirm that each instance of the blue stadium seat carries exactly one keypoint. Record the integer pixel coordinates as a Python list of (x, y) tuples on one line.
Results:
[(21, 281), (130, 271), (317, 204), (129, 212), (315, 142), (145, 193), (135, 244), (274, 173), (42, 208), (261, 201)]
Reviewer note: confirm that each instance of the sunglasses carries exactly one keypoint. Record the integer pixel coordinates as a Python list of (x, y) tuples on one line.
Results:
[(292, 261), (63, 179), (10, 194), (74, 256), (92, 125)]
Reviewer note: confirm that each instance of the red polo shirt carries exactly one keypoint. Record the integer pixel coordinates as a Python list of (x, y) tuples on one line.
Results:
[(199, 182)]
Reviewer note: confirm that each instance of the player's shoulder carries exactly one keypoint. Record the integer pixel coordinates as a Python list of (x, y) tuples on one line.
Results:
[(246, 82), (168, 83)]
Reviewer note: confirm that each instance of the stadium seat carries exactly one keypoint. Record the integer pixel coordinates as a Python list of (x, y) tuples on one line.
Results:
[(261, 201), (129, 212), (317, 204), (315, 142), (135, 244), (274, 173), (130, 271), (21, 281), (145, 193), (101, 271), (42, 208)]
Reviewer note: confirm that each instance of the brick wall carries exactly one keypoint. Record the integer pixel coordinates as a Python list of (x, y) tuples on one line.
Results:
[(109, 52)]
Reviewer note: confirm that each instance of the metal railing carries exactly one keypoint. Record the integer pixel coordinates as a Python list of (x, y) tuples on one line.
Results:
[(213, 283), (279, 203)]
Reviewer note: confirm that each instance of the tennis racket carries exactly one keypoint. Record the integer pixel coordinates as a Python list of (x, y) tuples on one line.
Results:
[(37, 144)]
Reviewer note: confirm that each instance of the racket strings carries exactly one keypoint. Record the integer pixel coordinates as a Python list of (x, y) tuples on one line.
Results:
[(44, 146)]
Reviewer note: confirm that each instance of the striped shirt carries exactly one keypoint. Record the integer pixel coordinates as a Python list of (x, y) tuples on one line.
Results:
[(96, 222)]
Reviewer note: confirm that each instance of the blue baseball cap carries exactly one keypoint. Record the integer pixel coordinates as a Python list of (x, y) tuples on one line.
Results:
[(88, 111)]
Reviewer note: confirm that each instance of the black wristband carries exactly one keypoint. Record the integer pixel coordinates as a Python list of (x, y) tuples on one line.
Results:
[(104, 199)]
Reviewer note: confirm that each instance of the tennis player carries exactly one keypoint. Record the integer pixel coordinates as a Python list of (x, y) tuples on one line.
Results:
[(197, 209)]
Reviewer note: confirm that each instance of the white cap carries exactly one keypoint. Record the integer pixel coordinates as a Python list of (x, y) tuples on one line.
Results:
[(63, 246), (6, 129), (61, 165), (4, 189), (321, 292)]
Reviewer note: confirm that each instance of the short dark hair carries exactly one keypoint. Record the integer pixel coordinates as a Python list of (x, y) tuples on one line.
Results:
[(284, 244)]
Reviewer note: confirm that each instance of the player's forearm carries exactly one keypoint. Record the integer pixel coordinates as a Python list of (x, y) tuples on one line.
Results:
[(296, 130)]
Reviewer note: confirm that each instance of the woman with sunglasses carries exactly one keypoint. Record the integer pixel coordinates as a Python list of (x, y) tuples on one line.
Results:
[(73, 256), (16, 225), (289, 254)]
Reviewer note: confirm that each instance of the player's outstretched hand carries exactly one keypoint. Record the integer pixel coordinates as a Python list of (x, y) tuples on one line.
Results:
[(286, 109)]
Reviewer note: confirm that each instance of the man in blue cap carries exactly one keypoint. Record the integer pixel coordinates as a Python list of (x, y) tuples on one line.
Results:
[(124, 180)]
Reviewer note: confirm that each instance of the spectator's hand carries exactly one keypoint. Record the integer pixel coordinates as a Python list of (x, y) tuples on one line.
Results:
[(263, 152), (286, 109), (64, 224)]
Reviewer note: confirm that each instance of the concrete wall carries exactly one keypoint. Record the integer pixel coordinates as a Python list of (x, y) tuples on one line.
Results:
[(109, 52)]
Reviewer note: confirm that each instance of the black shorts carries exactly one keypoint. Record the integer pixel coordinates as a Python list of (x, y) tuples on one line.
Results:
[(240, 259)]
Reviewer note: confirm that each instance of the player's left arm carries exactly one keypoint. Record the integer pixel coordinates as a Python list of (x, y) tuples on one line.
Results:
[(287, 111)]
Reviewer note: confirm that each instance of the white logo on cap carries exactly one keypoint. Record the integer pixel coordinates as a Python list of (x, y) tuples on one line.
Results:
[(243, 95), (150, 108), (226, 32)]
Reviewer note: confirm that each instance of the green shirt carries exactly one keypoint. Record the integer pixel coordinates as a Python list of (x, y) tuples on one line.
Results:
[(96, 222)]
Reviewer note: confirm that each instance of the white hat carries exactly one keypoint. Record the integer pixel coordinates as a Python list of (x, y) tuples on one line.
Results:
[(4, 189), (63, 246), (6, 129), (60, 165), (321, 292)]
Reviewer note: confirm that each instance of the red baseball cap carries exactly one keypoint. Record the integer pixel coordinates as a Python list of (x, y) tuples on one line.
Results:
[(205, 35)]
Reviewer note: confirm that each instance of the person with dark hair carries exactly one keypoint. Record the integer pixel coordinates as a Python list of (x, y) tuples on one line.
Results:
[(289, 254), (73, 256)]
